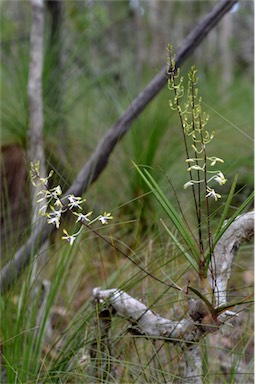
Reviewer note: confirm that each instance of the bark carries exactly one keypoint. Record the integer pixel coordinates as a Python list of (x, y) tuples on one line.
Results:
[(36, 144), (98, 160), (241, 229), (194, 367), (36, 149), (147, 323), (144, 321)]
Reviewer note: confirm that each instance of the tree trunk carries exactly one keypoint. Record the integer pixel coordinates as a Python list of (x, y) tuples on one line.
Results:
[(36, 144)]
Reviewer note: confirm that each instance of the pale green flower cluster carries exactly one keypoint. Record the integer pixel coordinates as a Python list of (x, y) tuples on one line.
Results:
[(193, 122), (54, 207)]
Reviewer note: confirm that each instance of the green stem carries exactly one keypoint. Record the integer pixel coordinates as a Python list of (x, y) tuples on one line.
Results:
[(172, 75), (206, 198), (186, 147), (199, 208)]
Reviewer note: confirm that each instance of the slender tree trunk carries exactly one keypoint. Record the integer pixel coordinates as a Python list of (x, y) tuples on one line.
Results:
[(36, 148), (36, 145)]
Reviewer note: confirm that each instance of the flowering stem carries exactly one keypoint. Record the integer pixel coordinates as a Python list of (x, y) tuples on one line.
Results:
[(199, 208), (203, 271), (172, 72)]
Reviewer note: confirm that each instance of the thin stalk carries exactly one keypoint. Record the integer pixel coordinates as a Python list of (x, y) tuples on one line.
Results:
[(187, 155), (206, 197), (199, 209), (172, 75)]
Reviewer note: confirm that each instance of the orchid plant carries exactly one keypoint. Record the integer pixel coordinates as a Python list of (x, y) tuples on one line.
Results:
[(204, 177), (54, 206), (196, 138)]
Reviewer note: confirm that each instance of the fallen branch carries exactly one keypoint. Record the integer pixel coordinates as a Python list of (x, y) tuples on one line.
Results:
[(144, 321), (186, 332), (240, 230), (147, 323), (98, 160)]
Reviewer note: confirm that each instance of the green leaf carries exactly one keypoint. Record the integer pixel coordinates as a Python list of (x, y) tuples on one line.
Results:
[(171, 213), (190, 259)]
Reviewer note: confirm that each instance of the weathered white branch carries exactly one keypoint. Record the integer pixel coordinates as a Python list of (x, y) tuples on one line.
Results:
[(145, 321), (193, 362), (240, 230)]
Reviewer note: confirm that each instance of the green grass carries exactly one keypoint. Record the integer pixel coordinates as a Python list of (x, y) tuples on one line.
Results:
[(64, 357)]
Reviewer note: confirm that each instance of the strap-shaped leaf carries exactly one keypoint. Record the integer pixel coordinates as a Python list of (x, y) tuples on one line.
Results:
[(171, 213), (189, 258)]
